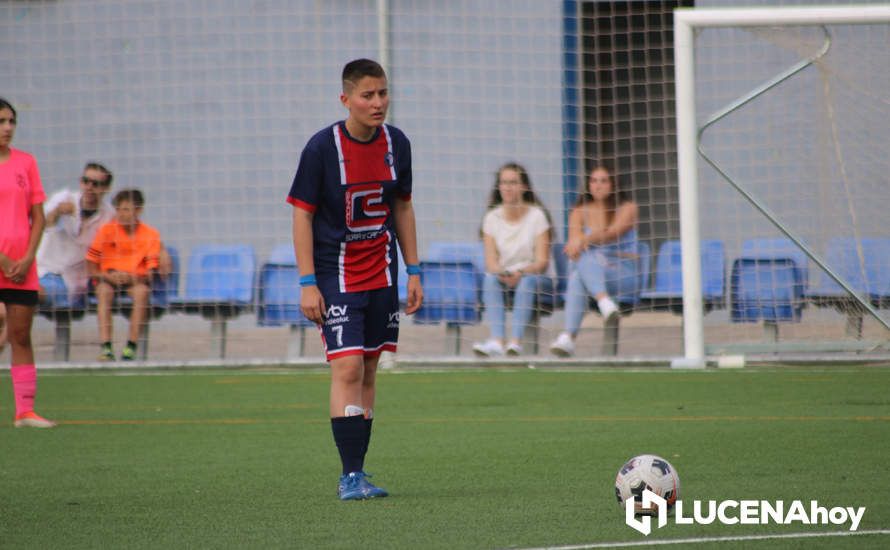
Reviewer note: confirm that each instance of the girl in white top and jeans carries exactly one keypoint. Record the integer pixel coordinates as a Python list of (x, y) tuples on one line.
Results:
[(516, 233)]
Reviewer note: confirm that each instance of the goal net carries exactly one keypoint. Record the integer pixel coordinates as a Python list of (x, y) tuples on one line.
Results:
[(786, 132)]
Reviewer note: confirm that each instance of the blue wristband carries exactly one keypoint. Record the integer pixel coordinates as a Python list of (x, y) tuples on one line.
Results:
[(413, 269), (308, 280)]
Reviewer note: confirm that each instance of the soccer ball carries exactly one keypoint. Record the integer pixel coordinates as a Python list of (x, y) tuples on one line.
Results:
[(647, 472)]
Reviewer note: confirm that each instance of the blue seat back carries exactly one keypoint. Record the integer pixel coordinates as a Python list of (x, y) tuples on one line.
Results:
[(282, 254), (221, 274), (166, 289), (766, 289), (669, 269), (768, 281), (868, 273), (460, 251), (770, 248), (278, 292), (450, 293)]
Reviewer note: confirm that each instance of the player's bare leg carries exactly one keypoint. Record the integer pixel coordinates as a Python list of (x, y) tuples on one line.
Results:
[(347, 375), (24, 374)]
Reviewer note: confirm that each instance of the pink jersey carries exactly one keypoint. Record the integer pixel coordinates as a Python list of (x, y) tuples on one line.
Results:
[(20, 189)]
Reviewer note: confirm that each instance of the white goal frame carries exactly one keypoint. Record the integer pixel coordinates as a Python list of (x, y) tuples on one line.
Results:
[(686, 22)]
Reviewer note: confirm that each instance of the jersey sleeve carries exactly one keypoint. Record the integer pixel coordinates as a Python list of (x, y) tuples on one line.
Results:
[(307, 184), (405, 174)]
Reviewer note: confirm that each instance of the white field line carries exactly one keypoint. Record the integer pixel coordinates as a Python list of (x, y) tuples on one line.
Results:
[(698, 540)]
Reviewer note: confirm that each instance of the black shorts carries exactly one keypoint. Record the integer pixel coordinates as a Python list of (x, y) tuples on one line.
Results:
[(18, 296)]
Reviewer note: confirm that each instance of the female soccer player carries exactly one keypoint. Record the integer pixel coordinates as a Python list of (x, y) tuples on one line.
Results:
[(352, 199), (21, 226)]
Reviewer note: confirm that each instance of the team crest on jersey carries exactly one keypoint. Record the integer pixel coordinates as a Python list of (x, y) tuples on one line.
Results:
[(389, 159), (365, 209)]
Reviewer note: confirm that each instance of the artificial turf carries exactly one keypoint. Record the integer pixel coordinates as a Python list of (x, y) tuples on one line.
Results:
[(475, 458)]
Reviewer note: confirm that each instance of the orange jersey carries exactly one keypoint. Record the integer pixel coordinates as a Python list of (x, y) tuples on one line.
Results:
[(115, 249)]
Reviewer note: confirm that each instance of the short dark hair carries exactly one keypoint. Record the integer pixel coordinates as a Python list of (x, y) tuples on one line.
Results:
[(7, 105), (131, 195), (96, 166), (357, 69)]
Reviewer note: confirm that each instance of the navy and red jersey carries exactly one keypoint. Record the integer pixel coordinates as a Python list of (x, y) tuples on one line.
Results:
[(350, 186)]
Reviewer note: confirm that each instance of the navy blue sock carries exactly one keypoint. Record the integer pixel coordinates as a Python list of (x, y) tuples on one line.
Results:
[(350, 435), (368, 423)]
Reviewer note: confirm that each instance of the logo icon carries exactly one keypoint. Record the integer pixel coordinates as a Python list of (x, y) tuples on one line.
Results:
[(644, 525), (389, 159)]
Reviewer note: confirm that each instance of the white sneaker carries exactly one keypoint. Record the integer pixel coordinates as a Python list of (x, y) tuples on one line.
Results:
[(607, 308), (563, 346), (488, 348), (514, 349)]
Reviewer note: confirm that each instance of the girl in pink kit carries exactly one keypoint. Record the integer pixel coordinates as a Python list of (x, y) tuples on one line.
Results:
[(21, 226)]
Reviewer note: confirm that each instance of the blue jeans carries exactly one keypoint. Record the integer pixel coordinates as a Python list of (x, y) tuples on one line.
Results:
[(595, 273), (524, 297)]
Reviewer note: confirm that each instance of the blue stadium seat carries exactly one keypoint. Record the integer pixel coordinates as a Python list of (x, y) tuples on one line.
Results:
[(219, 285), (868, 275), (62, 309), (278, 297), (278, 290), (166, 289), (667, 292), (451, 295), (219, 277), (768, 282), (460, 251)]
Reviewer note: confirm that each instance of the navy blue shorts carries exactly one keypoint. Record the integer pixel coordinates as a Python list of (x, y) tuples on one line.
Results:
[(359, 323)]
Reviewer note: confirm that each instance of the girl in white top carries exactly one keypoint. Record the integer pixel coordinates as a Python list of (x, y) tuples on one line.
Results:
[(516, 233)]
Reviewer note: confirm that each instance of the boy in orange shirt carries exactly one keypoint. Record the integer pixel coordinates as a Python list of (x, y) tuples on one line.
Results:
[(123, 257)]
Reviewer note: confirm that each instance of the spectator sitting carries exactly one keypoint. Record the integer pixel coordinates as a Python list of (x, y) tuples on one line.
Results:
[(603, 246), (72, 220), (516, 232), (123, 257)]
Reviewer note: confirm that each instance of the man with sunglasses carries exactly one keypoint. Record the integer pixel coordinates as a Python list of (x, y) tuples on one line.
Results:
[(72, 219)]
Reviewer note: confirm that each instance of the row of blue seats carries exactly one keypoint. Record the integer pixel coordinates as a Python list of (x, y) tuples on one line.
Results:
[(219, 285), (768, 282)]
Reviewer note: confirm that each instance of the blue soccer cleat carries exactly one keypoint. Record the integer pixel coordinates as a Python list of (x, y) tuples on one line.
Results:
[(355, 486)]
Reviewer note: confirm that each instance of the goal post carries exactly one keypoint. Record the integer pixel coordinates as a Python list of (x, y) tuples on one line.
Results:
[(687, 23)]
